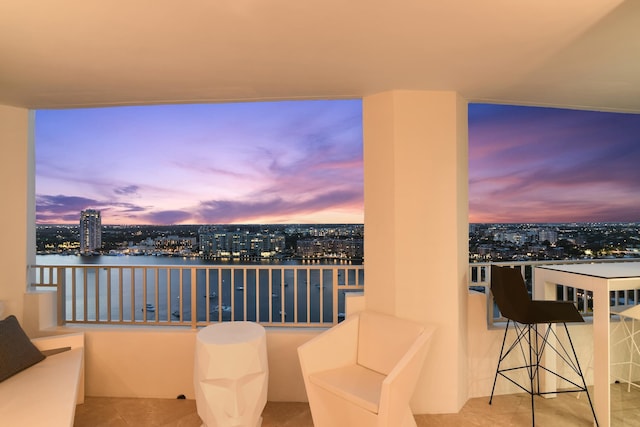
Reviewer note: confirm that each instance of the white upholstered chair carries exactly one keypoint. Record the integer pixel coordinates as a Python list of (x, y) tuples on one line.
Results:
[(363, 371)]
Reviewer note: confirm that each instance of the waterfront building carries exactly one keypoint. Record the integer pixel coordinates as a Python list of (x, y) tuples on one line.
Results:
[(330, 248), (309, 248), (217, 242), (175, 244), (90, 231)]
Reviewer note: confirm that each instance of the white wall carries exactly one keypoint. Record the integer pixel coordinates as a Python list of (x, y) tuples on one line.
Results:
[(158, 362), (16, 215)]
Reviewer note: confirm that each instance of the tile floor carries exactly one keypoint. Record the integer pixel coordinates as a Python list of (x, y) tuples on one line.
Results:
[(507, 410)]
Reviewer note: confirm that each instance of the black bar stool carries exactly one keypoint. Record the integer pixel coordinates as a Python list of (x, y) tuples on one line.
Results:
[(511, 296)]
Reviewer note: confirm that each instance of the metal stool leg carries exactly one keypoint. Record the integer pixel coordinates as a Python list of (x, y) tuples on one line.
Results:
[(495, 378)]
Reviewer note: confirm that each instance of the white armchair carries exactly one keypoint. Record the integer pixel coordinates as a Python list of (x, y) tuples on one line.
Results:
[(363, 371)]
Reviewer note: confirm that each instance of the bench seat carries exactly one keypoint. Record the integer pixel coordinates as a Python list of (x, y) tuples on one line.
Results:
[(46, 393)]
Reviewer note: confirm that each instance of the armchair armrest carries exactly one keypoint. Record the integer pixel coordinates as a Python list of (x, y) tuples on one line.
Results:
[(399, 385)]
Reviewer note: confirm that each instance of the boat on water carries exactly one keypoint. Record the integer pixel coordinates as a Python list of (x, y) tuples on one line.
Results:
[(150, 308), (225, 308), (239, 288)]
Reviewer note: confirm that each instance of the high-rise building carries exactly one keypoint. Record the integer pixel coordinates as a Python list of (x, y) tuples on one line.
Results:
[(90, 231), (549, 235), (217, 242)]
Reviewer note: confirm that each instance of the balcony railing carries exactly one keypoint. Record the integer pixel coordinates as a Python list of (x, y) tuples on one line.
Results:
[(174, 295), (291, 295), (480, 280)]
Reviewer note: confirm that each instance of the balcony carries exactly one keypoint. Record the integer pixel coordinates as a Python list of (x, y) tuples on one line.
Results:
[(129, 347)]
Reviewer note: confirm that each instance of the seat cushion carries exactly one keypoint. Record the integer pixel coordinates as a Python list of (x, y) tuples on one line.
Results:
[(553, 312), (355, 383), (17, 352)]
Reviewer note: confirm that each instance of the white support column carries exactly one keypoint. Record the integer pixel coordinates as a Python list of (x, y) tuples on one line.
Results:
[(416, 227), (16, 183)]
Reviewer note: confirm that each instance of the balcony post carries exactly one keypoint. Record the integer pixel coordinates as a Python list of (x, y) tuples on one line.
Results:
[(194, 307), (62, 295)]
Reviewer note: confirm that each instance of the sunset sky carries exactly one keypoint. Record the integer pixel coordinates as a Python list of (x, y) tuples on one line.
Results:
[(531, 164), (301, 162), (258, 163)]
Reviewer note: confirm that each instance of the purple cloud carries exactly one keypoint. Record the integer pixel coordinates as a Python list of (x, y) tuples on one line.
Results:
[(167, 217), (61, 203), (64, 209), (225, 211), (127, 190)]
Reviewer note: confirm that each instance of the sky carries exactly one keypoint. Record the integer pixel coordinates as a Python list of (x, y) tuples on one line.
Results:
[(531, 164), (241, 163), (302, 162)]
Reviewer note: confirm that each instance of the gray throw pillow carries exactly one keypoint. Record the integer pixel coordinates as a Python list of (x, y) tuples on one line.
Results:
[(17, 352)]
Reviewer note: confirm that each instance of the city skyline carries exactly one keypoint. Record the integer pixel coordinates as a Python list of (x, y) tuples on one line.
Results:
[(265, 162)]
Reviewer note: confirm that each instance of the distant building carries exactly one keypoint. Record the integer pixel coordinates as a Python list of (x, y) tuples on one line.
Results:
[(510, 236), (217, 242), (175, 243), (330, 248), (549, 235), (90, 231)]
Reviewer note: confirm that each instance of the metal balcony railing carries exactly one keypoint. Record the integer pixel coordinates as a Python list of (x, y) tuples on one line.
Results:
[(174, 295), (289, 295)]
